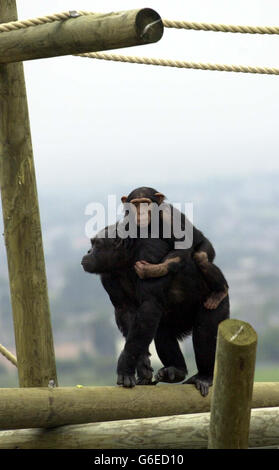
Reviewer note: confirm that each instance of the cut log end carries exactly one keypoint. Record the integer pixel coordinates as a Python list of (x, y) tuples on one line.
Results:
[(237, 332), (149, 26)]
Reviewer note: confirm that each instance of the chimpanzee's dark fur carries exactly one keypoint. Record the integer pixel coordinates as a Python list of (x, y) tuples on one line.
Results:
[(213, 277), (146, 310)]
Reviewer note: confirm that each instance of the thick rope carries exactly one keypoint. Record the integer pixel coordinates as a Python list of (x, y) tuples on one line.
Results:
[(180, 64), (8, 355), (224, 28), (65, 15), (5, 27)]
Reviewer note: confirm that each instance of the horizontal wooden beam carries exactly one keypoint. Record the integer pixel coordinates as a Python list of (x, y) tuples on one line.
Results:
[(98, 32), (43, 407), (168, 432)]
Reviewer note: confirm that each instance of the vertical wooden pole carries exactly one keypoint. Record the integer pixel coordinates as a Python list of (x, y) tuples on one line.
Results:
[(23, 238), (232, 385)]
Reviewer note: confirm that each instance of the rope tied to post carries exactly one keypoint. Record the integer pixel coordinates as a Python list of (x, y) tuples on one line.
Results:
[(177, 24), (216, 27)]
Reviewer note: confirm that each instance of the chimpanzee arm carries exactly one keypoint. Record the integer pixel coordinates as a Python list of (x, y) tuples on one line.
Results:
[(201, 250), (186, 239), (201, 244), (196, 240), (125, 313), (123, 309)]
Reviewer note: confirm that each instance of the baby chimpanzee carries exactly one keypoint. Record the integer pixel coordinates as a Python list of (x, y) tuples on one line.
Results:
[(142, 203)]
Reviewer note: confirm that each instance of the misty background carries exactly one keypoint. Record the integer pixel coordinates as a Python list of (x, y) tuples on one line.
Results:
[(204, 137)]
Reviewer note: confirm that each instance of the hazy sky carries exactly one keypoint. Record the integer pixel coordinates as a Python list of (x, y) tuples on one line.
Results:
[(95, 122)]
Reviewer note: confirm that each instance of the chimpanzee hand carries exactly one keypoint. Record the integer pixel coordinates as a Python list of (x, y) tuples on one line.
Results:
[(126, 370), (143, 269)]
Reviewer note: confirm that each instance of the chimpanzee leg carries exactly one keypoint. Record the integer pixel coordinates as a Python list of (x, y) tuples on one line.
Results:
[(204, 342), (125, 313), (169, 352), (214, 279), (140, 335), (124, 319)]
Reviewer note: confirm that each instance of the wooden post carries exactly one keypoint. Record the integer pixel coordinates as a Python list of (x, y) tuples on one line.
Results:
[(188, 431), (232, 385), (89, 33), (23, 238), (41, 407)]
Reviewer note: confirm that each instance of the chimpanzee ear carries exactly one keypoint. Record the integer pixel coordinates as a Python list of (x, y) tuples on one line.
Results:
[(124, 199), (160, 197)]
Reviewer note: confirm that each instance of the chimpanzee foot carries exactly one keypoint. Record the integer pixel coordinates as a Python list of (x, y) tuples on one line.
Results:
[(127, 381), (126, 370), (201, 257), (144, 371), (170, 375), (202, 383), (215, 299)]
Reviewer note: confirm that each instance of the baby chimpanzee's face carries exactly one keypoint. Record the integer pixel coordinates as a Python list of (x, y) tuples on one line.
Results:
[(141, 202), (142, 211)]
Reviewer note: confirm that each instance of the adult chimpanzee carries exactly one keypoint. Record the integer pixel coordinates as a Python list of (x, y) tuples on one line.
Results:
[(149, 311), (145, 200)]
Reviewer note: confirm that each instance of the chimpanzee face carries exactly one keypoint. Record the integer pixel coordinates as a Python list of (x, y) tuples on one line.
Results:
[(141, 210), (141, 202), (105, 255)]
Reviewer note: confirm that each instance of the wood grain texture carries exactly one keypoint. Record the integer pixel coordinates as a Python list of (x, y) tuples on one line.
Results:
[(43, 407), (168, 432), (232, 385), (98, 32), (22, 228)]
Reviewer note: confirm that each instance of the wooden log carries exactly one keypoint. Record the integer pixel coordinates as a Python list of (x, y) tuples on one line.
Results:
[(90, 33), (168, 432), (22, 228), (43, 407), (232, 385)]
